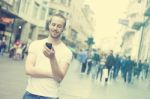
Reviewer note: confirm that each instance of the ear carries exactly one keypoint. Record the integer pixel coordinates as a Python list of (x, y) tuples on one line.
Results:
[(64, 29)]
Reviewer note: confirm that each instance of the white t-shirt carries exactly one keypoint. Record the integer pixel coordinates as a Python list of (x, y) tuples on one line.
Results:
[(46, 86)]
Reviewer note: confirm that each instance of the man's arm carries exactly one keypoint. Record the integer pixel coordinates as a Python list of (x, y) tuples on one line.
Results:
[(58, 72), (34, 71), (58, 69)]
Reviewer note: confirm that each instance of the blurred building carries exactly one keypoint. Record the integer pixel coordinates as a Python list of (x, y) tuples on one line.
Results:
[(79, 20), (34, 12), (144, 51), (133, 28), (82, 24), (9, 10), (30, 18)]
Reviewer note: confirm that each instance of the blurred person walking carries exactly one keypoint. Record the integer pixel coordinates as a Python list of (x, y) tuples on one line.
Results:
[(128, 70), (145, 69), (117, 66), (110, 61)]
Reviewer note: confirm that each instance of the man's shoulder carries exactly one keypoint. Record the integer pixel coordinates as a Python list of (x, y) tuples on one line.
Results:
[(35, 42), (66, 52), (66, 48)]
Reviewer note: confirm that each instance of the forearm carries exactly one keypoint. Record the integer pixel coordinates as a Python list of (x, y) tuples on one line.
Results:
[(57, 73), (38, 72)]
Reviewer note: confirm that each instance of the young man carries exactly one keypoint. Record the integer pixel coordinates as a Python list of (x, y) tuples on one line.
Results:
[(47, 67)]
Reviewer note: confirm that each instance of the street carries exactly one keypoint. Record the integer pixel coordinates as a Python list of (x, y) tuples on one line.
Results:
[(109, 38), (74, 86)]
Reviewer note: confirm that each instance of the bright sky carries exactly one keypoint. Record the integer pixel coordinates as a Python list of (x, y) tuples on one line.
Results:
[(107, 14)]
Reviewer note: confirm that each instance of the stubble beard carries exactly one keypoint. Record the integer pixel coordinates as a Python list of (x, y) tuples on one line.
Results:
[(55, 37)]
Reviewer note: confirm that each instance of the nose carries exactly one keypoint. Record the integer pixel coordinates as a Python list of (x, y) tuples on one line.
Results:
[(55, 27)]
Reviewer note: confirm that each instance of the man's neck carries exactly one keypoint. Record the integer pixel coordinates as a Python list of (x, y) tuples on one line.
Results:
[(54, 41)]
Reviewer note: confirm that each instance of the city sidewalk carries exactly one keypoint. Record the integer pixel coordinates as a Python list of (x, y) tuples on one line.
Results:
[(13, 81), (74, 86), (12, 78)]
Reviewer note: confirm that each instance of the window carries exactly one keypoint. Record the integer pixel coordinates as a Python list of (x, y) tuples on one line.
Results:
[(61, 12), (15, 6), (10, 2), (23, 3), (51, 11), (27, 7), (56, 1), (35, 10), (52, 0), (73, 34), (69, 2), (43, 13), (148, 2), (66, 2)]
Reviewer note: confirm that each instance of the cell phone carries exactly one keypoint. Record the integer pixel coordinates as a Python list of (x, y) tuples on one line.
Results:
[(49, 45)]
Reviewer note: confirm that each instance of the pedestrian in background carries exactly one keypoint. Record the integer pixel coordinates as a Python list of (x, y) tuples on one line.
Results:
[(110, 61), (83, 61), (45, 66), (145, 69), (116, 66), (128, 70), (2, 42)]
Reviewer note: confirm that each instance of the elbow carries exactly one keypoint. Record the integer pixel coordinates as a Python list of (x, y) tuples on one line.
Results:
[(60, 78), (29, 72)]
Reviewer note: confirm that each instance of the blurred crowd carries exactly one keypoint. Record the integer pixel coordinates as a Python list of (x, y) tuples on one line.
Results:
[(17, 50), (101, 66), (94, 63)]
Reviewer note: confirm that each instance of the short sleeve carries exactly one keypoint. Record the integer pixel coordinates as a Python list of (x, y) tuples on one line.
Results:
[(67, 58), (32, 47)]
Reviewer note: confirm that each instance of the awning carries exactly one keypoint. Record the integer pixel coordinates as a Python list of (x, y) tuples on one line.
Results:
[(137, 25), (6, 20), (147, 11), (6, 13)]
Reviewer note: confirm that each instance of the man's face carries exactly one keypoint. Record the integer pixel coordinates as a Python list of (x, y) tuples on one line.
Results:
[(56, 27)]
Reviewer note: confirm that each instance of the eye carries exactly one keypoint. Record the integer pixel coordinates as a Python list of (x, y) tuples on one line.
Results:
[(53, 24), (60, 26)]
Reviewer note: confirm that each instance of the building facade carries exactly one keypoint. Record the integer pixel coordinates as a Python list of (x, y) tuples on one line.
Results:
[(31, 16), (144, 51), (132, 31), (81, 22)]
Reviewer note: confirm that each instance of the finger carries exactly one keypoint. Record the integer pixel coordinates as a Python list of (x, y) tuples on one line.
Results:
[(49, 50), (45, 53), (46, 48), (52, 50)]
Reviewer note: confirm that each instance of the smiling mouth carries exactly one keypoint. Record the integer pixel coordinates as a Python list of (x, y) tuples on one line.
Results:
[(55, 33)]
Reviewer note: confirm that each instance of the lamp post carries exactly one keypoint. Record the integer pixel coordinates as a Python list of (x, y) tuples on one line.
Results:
[(143, 28), (90, 42), (148, 52), (141, 41), (11, 35)]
